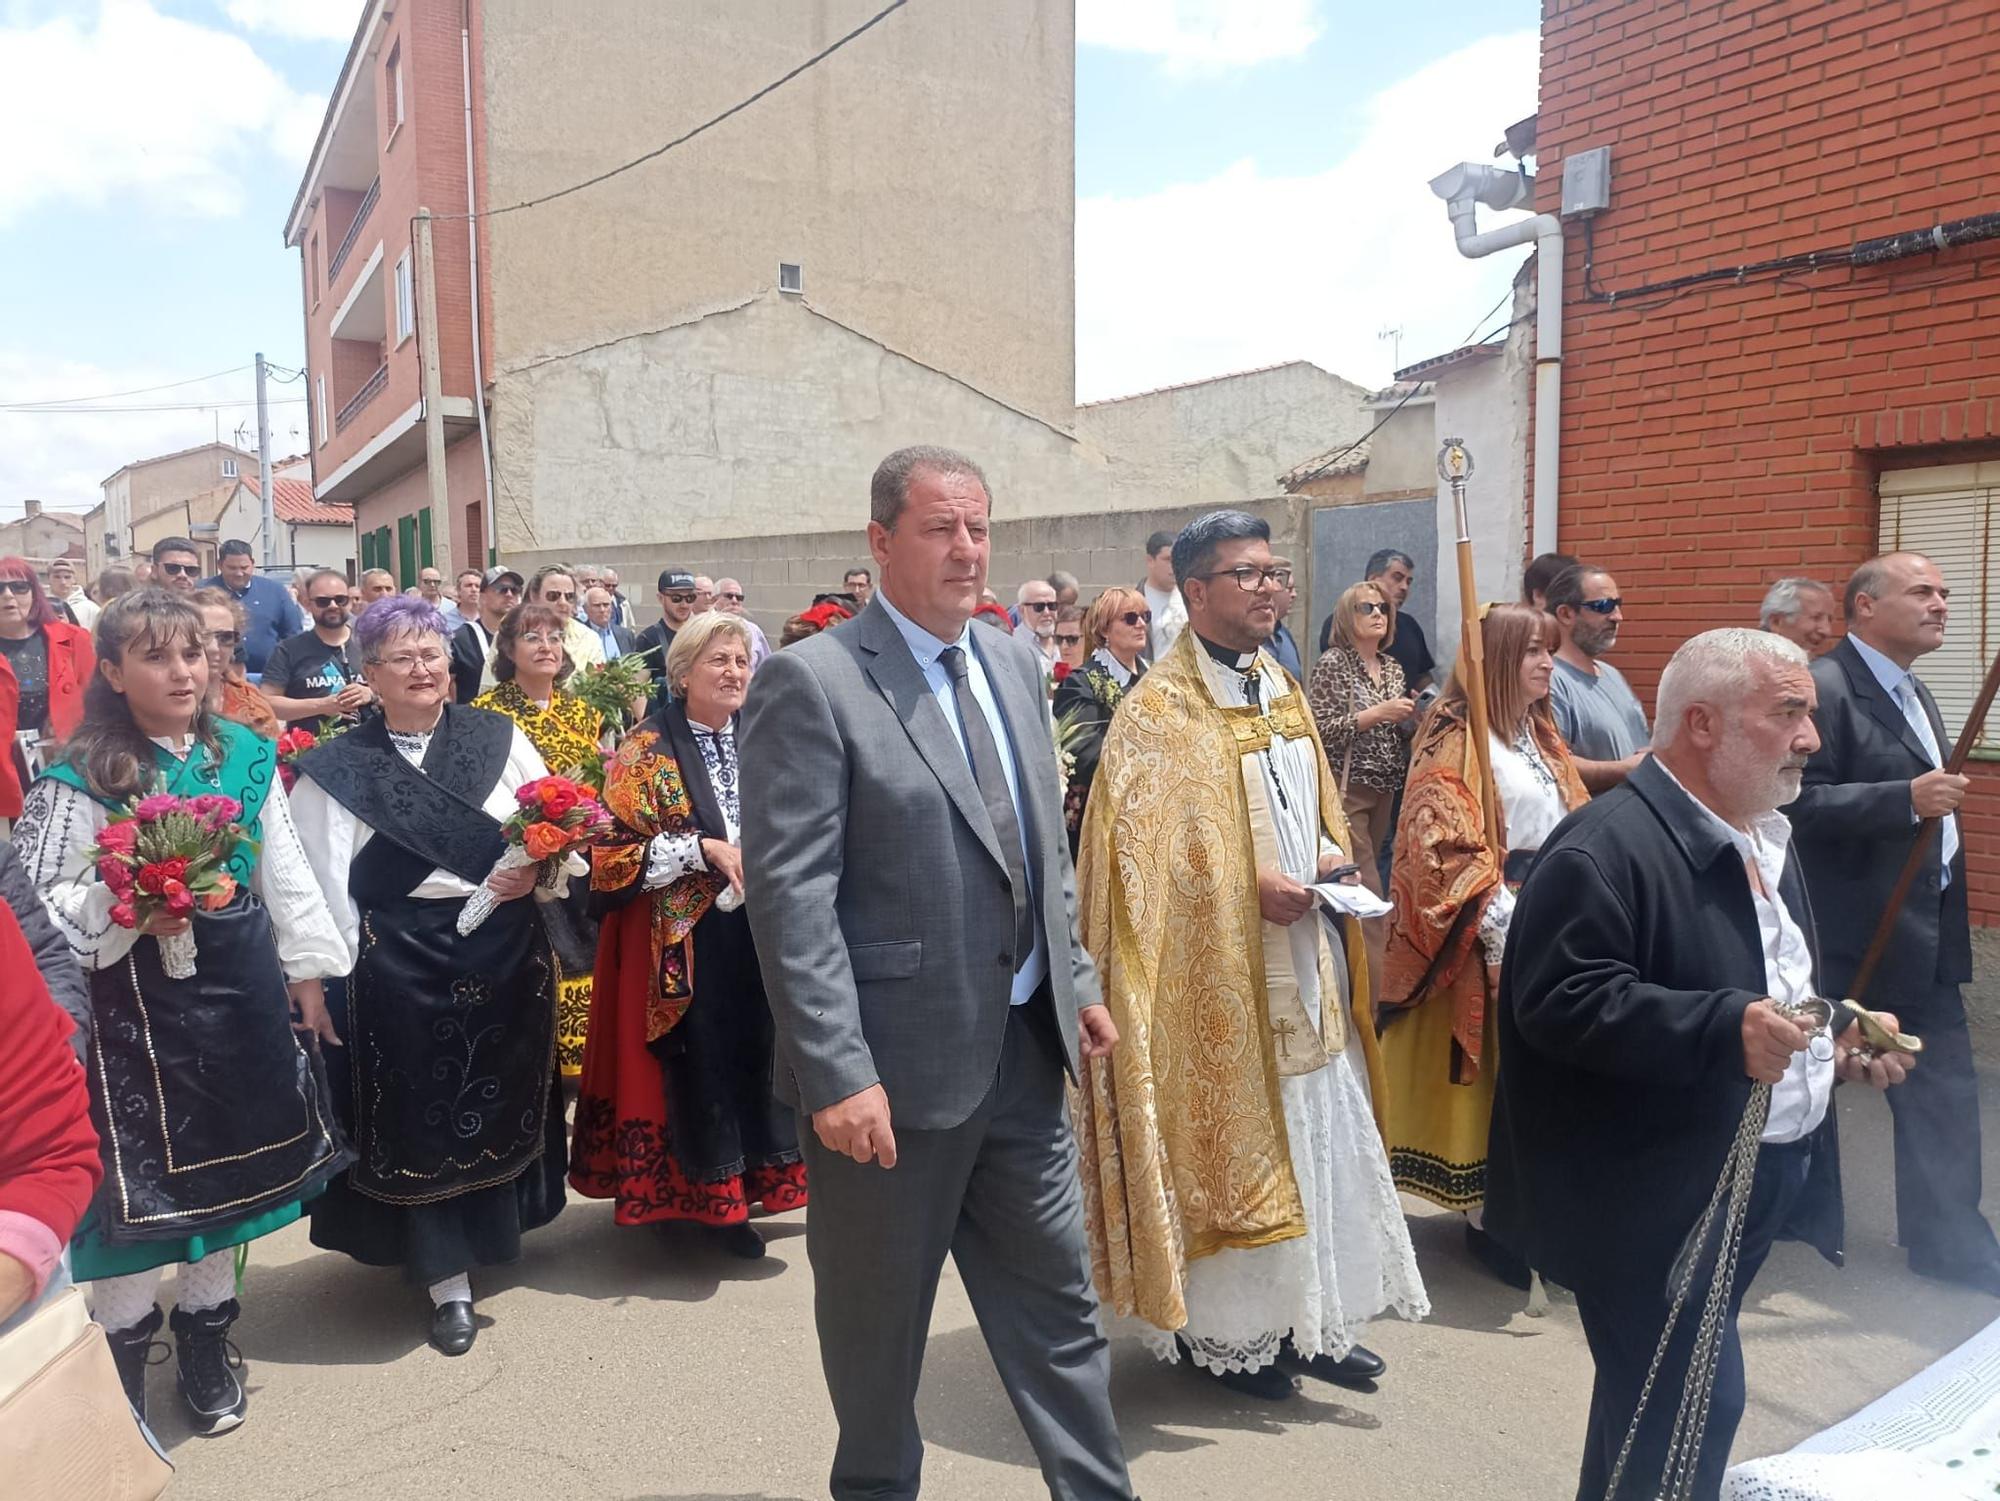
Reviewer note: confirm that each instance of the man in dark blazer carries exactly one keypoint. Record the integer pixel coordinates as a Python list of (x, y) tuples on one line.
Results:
[(1636, 1014), (909, 887), (1876, 774)]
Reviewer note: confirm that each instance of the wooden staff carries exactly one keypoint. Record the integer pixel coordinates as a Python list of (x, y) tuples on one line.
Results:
[(1920, 846), (1455, 467)]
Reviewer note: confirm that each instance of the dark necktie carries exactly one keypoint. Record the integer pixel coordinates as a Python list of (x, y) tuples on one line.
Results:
[(991, 774)]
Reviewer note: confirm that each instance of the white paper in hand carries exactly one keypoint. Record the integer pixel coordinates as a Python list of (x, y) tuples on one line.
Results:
[(1352, 901)]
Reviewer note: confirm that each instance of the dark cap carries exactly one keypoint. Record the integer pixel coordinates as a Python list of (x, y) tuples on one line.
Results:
[(675, 578), (493, 576)]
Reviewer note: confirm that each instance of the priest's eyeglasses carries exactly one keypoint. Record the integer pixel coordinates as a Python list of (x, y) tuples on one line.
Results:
[(1250, 580)]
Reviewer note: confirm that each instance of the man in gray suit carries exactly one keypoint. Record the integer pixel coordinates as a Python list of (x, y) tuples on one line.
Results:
[(910, 890), (1878, 771)]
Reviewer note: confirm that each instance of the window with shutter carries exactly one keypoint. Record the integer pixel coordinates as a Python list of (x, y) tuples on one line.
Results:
[(1947, 514)]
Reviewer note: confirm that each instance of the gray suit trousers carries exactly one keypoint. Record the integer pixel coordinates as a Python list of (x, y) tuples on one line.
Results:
[(1000, 1194)]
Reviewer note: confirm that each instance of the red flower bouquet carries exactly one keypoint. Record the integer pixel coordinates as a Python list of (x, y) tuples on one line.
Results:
[(557, 817), (295, 743), (171, 854)]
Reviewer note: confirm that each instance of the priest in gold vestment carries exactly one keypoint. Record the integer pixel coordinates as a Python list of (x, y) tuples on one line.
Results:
[(1237, 1193)]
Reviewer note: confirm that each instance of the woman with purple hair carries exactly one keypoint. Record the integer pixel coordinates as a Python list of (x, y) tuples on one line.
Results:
[(448, 1076)]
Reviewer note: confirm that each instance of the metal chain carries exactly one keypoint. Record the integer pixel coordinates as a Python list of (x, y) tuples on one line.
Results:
[(1739, 1168)]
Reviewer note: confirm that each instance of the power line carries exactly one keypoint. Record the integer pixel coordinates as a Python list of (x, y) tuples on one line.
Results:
[(67, 401), (681, 140), (183, 406)]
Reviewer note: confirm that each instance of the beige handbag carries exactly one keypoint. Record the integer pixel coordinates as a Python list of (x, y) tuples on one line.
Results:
[(66, 1431)]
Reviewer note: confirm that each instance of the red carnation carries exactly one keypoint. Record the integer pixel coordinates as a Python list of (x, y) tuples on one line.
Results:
[(558, 799), (180, 900), (124, 914)]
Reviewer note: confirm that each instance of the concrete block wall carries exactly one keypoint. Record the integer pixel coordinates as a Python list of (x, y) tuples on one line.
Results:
[(780, 573)]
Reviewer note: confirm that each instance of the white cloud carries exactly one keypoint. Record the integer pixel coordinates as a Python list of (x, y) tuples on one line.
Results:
[(61, 459), (140, 104), (1247, 269), (306, 20), (1200, 35)]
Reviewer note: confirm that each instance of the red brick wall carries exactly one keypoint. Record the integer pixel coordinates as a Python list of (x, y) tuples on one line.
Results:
[(1734, 434)]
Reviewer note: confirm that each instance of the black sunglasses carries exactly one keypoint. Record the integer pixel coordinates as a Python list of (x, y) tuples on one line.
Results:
[(1039, 604), (737, 597), (1066, 638), (1137, 617), (1603, 606), (17, 586), (558, 596), (1370, 607), (678, 598), (513, 589), (329, 601), (181, 570)]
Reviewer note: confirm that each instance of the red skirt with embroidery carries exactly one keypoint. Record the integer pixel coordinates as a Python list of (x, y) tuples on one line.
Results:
[(707, 1082)]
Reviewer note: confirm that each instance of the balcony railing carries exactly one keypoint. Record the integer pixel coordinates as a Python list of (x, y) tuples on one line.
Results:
[(370, 389), (361, 213)]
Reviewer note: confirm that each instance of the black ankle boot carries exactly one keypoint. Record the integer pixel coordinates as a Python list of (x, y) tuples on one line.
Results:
[(740, 1240), (209, 1366), (132, 1351)]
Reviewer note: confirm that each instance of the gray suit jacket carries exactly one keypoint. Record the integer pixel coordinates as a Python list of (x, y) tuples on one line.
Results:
[(876, 888), (1853, 826)]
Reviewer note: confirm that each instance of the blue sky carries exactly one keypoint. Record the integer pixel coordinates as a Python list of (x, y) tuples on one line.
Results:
[(1250, 176)]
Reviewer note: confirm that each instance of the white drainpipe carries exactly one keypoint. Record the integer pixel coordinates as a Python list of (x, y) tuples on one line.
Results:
[(1464, 188)]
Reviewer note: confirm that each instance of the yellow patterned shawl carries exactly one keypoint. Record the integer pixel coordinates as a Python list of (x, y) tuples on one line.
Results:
[(1445, 871), (1182, 1130), (564, 734)]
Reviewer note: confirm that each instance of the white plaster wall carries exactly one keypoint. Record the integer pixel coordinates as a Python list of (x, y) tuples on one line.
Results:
[(1486, 406), (1216, 441)]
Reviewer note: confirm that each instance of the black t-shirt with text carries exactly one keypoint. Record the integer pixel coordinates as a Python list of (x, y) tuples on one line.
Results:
[(303, 666)]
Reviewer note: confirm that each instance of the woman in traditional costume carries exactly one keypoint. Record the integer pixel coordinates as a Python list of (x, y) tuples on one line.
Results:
[(1454, 880), (675, 1119), (532, 664), (448, 1076), (250, 1131), (1116, 630), (229, 692)]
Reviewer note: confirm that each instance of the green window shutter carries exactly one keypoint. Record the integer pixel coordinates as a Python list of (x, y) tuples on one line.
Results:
[(424, 558), (406, 551), (383, 557), (367, 550)]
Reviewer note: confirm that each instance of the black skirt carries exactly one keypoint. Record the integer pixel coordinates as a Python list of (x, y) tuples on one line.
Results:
[(448, 1085), (209, 1109)]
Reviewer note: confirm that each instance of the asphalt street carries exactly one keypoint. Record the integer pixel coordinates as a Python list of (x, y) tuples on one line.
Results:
[(645, 1364)]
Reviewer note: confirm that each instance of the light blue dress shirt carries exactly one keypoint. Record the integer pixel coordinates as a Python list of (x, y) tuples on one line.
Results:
[(1893, 679), (609, 636), (927, 649)]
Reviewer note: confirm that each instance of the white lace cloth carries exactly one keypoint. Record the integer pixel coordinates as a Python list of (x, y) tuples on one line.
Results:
[(1934, 1438), (1353, 1262)]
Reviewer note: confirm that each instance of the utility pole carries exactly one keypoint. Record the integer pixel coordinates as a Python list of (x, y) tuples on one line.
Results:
[(264, 470), (427, 354)]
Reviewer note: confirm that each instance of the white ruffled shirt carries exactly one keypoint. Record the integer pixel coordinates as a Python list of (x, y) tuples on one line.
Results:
[(59, 825), (334, 836), (1531, 801)]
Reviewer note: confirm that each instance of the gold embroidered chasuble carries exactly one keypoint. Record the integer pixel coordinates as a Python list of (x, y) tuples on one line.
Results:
[(1181, 1131)]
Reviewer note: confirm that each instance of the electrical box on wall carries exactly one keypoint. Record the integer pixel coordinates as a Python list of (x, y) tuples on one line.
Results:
[(1586, 182)]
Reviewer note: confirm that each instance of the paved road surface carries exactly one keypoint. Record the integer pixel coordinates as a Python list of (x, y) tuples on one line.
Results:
[(639, 1364)]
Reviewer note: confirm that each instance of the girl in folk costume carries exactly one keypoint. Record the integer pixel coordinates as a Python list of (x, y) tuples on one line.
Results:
[(1453, 882), (449, 1073), (532, 664), (250, 1133), (676, 1120)]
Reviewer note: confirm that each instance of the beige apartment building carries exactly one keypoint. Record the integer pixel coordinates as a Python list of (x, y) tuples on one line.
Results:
[(153, 498), (701, 359)]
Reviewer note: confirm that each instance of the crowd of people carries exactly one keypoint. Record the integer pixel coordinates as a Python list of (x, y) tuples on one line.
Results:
[(1096, 943)]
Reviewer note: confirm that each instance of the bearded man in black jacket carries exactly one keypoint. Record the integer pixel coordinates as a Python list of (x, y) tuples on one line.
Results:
[(1660, 927)]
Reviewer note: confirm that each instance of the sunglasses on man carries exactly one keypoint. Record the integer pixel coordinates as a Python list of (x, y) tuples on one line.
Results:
[(679, 597), (1040, 606), (1068, 638), (330, 601), (1603, 606), (733, 598), (180, 570)]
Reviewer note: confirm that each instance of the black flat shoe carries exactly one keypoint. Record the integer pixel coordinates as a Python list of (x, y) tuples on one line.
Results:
[(741, 1240), (452, 1328), (1359, 1367), (1266, 1384), (1496, 1258)]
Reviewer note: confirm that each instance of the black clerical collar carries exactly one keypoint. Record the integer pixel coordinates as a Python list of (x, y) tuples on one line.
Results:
[(1235, 661)]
